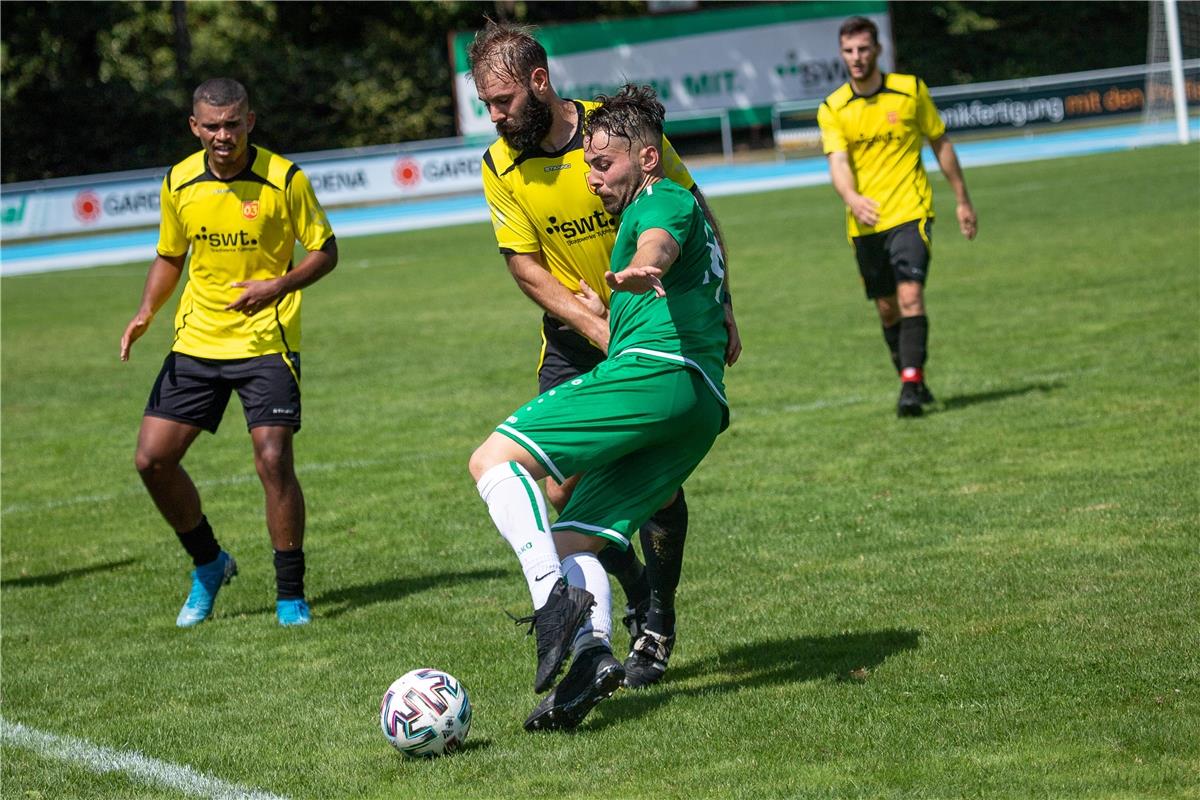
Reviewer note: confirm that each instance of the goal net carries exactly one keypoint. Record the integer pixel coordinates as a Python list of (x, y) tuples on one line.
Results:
[(1160, 103)]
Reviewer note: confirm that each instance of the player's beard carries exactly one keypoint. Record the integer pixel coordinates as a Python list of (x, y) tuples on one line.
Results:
[(527, 131)]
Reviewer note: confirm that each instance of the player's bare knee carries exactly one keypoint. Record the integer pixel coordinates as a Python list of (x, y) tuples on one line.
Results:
[(150, 464), (478, 463), (911, 299), (274, 464), (496, 449), (889, 310)]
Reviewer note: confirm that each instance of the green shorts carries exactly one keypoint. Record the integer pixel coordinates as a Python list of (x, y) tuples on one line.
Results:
[(636, 427)]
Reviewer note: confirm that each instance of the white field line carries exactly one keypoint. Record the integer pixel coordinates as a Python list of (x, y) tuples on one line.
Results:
[(130, 763), (80, 499)]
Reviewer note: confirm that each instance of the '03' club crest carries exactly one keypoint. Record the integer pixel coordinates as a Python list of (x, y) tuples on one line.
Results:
[(249, 209)]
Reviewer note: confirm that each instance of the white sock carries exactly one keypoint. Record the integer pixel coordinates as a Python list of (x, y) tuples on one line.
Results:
[(584, 569), (519, 510)]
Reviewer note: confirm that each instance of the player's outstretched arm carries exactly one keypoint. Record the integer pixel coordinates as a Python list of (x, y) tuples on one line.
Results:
[(161, 281), (257, 295), (637, 280), (657, 250), (948, 162)]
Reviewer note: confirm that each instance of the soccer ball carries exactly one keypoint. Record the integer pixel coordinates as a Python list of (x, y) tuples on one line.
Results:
[(425, 713)]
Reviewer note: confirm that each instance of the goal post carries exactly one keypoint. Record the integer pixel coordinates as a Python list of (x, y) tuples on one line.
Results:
[(1174, 35)]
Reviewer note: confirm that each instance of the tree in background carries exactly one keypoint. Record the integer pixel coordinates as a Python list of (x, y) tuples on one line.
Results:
[(105, 86), (953, 42), (99, 87)]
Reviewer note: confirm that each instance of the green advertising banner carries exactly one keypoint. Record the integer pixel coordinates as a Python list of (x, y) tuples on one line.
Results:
[(740, 60)]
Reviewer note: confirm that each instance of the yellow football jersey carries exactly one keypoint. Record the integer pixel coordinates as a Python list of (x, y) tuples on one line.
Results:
[(245, 228), (883, 134), (541, 202)]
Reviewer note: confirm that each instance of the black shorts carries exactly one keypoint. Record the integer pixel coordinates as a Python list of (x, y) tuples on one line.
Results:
[(195, 391), (897, 254), (565, 354)]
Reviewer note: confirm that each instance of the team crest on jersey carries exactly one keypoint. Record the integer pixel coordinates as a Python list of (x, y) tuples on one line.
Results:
[(893, 117), (249, 209)]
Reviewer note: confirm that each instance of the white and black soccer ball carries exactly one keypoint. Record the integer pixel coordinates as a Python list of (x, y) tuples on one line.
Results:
[(425, 713)]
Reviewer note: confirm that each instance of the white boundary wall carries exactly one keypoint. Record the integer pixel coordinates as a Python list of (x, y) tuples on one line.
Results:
[(39, 209)]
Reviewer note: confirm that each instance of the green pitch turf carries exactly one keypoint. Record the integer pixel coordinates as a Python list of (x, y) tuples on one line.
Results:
[(999, 599)]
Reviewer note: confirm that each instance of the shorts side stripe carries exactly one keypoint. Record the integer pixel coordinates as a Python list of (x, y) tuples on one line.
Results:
[(594, 530), (291, 367), (523, 477), (533, 449), (542, 355), (679, 360)]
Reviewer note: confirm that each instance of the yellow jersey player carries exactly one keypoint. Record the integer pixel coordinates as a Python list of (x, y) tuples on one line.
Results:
[(872, 130), (240, 210), (557, 240)]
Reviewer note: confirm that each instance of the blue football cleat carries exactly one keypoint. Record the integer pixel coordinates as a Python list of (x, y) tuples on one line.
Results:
[(292, 612), (207, 580)]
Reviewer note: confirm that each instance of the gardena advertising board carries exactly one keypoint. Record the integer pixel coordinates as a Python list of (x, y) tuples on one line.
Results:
[(131, 200)]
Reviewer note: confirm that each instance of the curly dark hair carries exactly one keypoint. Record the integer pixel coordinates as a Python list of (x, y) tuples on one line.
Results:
[(633, 114)]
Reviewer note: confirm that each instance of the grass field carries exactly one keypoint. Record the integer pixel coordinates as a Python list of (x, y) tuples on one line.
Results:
[(997, 600)]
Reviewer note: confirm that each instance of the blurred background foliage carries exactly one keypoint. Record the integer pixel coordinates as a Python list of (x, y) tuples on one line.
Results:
[(104, 86)]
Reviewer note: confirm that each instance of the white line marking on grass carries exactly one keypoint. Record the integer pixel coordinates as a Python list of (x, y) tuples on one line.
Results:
[(131, 763), (79, 499), (797, 408)]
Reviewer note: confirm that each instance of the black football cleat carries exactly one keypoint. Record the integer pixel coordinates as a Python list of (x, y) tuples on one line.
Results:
[(593, 677), (909, 404), (924, 395), (557, 622), (647, 659)]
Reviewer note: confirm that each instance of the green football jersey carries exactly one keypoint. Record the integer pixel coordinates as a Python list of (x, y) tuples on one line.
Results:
[(688, 325)]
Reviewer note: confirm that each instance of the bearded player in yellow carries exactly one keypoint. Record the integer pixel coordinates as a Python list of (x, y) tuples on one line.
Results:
[(872, 129), (557, 240), (240, 210)]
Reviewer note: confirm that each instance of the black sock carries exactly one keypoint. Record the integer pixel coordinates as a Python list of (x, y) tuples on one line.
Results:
[(289, 574), (629, 572), (914, 336), (891, 335), (660, 621), (662, 546), (200, 543)]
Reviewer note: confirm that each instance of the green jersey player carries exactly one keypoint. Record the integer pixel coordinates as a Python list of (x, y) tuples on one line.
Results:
[(636, 426)]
